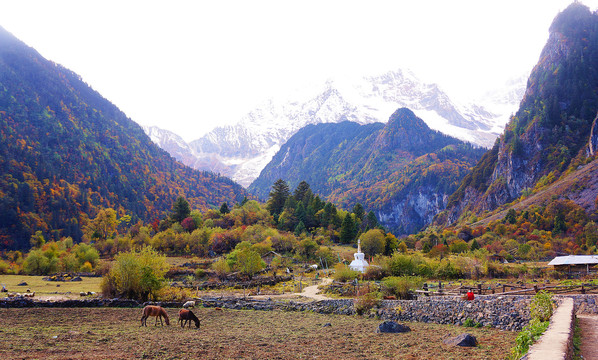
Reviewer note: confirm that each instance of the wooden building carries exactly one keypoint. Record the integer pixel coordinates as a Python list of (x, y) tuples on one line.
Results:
[(575, 263)]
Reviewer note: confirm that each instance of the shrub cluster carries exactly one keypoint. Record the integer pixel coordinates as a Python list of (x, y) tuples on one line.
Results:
[(541, 309), (136, 275)]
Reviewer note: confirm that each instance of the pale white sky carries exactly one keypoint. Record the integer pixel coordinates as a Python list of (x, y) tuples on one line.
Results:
[(188, 66)]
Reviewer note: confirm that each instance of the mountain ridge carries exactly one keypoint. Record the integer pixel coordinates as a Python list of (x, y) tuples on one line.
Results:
[(66, 153), (241, 150), (402, 170), (549, 134)]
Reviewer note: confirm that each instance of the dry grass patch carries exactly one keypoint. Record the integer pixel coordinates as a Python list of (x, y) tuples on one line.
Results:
[(50, 289), (100, 333)]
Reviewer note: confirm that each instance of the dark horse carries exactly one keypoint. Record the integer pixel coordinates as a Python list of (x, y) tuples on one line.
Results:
[(187, 316), (157, 311)]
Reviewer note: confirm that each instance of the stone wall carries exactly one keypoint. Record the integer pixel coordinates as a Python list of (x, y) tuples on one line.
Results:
[(503, 312), (585, 304), (96, 302)]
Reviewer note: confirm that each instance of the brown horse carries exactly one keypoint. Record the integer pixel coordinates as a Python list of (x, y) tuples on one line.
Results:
[(157, 311), (188, 316)]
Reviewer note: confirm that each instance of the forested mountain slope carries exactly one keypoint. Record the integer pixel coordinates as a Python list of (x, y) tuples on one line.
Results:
[(402, 170), (548, 136), (66, 152)]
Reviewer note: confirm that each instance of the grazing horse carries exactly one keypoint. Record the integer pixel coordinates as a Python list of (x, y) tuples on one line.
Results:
[(157, 311), (187, 316)]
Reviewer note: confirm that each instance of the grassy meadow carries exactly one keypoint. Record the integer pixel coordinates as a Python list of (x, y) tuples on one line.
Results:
[(49, 289)]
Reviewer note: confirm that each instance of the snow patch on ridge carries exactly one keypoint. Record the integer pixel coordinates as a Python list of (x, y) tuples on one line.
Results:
[(242, 150)]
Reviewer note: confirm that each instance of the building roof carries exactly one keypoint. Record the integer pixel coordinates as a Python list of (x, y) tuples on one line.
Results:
[(575, 260)]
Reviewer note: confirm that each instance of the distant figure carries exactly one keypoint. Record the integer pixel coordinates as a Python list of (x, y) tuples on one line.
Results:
[(4, 289), (470, 295), (156, 311)]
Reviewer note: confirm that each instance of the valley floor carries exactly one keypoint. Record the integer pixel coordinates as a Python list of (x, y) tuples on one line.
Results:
[(100, 333)]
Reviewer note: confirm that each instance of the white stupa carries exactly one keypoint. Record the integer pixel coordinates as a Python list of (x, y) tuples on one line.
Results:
[(359, 264)]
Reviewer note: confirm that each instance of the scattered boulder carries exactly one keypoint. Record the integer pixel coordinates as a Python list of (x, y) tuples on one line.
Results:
[(327, 325), (22, 284), (462, 340), (78, 278), (392, 327)]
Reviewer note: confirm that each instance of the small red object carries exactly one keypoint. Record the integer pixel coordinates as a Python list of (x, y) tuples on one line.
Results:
[(470, 295)]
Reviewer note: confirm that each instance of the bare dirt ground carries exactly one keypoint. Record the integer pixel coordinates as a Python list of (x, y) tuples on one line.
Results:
[(589, 336), (102, 333)]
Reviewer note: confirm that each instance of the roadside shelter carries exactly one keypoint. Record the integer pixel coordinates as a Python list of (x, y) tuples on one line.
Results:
[(574, 263)]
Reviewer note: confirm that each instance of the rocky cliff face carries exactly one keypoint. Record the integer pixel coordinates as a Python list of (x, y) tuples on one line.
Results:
[(409, 214), (553, 124), (593, 142)]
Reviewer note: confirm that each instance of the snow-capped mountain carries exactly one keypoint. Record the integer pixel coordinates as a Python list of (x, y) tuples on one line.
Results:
[(180, 150), (242, 150)]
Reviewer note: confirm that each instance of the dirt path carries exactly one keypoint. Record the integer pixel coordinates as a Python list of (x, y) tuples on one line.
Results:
[(312, 291), (589, 336)]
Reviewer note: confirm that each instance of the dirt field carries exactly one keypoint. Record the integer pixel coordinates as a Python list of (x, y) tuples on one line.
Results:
[(99, 333)]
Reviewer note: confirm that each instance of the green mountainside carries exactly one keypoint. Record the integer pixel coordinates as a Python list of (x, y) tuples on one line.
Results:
[(402, 170), (548, 137), (66, 152)]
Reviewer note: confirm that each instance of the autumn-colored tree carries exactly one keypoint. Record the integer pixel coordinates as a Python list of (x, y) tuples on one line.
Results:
[(102, 227), (392, 243), (373, 242), (188, 224), (136, 274), (245, 259), (37, 240)]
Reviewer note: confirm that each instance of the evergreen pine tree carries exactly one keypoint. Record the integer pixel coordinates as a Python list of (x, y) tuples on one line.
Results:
[(359, 211), (180, 210), (371, 221), (224, 208), (511, 216), (300, 228), (245, 200), (278, 196), (303, 192), (347, 234)]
